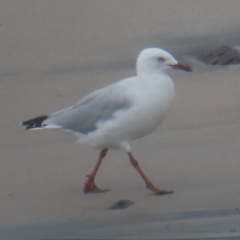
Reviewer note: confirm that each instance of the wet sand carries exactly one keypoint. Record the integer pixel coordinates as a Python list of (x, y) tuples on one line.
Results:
[(55, 52)]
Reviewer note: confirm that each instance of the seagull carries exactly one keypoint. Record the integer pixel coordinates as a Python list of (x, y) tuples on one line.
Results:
[(115, 115)]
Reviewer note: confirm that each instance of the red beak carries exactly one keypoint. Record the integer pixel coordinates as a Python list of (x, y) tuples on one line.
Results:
[(181, 66)]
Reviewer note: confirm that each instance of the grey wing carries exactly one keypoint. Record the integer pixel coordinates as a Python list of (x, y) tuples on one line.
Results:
[(95, 107)]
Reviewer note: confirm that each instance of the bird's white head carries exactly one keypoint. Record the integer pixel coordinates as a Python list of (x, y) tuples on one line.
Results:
[(156, 60)]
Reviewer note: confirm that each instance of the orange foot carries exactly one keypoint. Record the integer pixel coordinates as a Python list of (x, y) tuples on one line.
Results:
[(90, 186), (163, 192), (158, 191)]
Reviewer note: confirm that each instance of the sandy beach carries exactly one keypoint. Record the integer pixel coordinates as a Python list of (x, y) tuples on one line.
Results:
[(55, 52)]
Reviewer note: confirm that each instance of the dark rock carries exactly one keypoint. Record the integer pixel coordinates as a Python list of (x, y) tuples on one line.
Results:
[(121, 204), (223, 55)]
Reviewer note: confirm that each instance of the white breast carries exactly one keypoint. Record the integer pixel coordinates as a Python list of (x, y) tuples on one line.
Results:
[(151, 103)]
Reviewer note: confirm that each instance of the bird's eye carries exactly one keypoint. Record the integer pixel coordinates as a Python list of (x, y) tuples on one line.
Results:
[(160, 59)]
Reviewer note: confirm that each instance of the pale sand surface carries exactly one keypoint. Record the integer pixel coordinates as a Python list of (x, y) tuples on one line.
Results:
[(55, 52)]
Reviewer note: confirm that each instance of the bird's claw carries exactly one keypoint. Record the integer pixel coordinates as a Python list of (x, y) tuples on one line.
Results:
[(90, 186), (158, 191), (163, 192)]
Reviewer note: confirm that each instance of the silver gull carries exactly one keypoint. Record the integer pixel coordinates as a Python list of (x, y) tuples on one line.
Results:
[(113, 116)]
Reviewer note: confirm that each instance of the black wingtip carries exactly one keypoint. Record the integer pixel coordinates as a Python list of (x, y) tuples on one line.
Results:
[(34, 123)]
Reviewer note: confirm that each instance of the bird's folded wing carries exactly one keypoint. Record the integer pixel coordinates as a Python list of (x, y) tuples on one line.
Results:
[(98, 106)]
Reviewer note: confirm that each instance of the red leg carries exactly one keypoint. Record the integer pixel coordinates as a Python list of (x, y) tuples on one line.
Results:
[(149, 185), (90, 185)]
